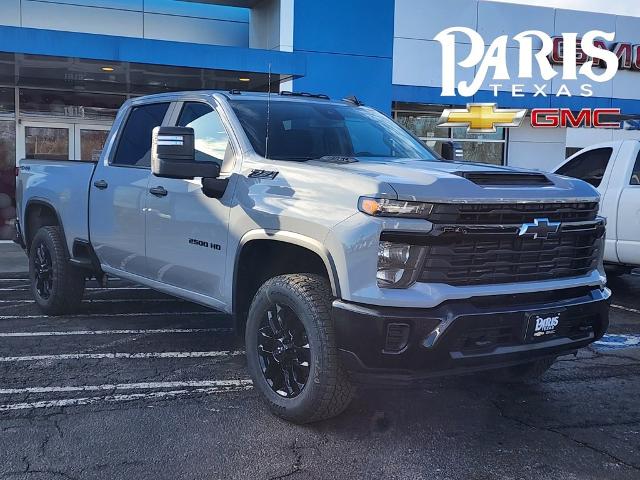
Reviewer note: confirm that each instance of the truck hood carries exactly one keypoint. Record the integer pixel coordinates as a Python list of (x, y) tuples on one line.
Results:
[(438, 181)]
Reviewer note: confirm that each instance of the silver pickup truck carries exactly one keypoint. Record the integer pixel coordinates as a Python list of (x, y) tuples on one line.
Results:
[(345, 250)]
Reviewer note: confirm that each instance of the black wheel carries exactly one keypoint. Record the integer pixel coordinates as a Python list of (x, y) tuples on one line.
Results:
[(526, 372), (291, 349), (57, 286)]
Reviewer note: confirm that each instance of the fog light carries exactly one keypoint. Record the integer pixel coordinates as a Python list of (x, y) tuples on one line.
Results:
[(397, 337)]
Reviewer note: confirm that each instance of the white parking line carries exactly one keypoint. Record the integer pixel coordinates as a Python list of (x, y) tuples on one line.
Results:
[(91, 315), (626, 309), (113, 300), (68, 402), (115, 332), (129, 386), (118, 355), (23, 288)]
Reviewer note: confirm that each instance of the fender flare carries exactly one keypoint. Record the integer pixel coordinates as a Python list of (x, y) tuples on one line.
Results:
[(297, 239), (45, 203)]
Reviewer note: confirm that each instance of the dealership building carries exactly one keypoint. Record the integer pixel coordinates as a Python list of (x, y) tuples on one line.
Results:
[(67, 65)]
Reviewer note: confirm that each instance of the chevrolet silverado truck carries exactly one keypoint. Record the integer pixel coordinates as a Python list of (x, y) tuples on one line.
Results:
[(346, 251), (614, 169)]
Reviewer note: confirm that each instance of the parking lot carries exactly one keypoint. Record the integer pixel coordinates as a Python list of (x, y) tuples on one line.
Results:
[(140, 385)]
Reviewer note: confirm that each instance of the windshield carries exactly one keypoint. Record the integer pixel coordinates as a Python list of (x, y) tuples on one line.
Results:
[(309, 130)]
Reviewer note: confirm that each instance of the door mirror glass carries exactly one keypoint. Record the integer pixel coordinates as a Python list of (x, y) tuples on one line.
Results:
[(173, 155)]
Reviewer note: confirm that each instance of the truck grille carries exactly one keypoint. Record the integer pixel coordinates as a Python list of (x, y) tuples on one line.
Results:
[(512, 213), (489, 258)]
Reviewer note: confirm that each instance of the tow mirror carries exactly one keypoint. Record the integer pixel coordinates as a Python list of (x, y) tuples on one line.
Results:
[(173, 155)]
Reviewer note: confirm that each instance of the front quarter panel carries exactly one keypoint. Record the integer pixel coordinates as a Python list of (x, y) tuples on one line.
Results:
[(294, 202)]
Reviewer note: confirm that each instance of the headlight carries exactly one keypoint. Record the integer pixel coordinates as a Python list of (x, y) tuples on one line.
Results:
[(397, 263), (384, 207)]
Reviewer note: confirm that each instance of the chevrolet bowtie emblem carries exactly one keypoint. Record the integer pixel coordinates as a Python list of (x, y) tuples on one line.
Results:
[(481, 117), (540, 228)]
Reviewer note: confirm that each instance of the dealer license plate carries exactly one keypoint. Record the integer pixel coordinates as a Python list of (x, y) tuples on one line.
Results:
[(543, 326)]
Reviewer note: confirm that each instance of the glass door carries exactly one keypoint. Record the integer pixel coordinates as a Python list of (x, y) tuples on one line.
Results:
[(46, 140), (89, 141), (62, 141)]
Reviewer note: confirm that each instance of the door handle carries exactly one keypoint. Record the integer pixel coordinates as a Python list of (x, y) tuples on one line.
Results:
[(158, 191), (101, 184)]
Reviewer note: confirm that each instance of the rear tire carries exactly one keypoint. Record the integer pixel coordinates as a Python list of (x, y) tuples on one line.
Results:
[(56, 285), (524, 373), (290, 325)]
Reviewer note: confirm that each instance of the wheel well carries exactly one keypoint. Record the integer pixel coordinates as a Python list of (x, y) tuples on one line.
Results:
[(38, 215), (260, 260)]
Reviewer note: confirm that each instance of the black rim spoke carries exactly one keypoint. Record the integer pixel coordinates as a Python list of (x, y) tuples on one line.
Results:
[(42, 266), (284, 351)]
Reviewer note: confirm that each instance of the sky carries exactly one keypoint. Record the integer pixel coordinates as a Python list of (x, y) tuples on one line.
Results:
[(618, 7)]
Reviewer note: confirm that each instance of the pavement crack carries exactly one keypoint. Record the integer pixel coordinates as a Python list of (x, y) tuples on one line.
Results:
[(557, 431), (296, 467)]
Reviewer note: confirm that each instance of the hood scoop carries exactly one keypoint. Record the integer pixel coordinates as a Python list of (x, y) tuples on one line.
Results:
[(506, 179)]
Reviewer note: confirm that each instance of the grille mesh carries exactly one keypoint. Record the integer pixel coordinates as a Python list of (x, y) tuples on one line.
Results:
[(488, 259), (518, 213)]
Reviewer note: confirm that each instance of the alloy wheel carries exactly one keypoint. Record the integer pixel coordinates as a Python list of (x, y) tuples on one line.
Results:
[(283, 351), (43, 270)]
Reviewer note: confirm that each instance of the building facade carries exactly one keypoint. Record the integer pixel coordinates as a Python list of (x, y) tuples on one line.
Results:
[(67, 65)]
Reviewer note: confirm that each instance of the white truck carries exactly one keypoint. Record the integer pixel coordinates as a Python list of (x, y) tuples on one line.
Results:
[(614, 169), (345, 250)]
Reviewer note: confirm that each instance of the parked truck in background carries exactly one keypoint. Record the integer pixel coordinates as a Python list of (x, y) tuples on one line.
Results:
[(345, 250), (614, 169)]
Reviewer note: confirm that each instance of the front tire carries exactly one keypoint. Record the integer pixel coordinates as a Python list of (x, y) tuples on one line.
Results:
[(57, 286), (291, 349)]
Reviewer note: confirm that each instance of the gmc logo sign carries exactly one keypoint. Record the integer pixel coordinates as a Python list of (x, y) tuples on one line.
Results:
[(564, 117), (628, 54)]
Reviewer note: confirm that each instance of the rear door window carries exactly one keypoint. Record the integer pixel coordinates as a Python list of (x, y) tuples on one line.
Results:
[(134, 144), (589, 166)]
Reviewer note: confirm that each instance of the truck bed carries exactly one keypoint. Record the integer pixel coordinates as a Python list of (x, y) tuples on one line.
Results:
[(63, 184)]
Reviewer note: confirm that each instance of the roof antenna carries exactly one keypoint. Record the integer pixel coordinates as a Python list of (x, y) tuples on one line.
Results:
[(266, 137)]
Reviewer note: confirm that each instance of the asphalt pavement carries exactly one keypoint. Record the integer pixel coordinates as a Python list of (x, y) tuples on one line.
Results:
[(142, 386)]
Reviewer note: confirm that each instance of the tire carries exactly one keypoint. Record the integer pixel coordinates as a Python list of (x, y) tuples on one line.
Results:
[(525, 373), (56, 285), (309, 393), (617, 270)]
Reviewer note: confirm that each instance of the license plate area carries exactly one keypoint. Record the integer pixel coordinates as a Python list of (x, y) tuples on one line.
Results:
[(542, 326)]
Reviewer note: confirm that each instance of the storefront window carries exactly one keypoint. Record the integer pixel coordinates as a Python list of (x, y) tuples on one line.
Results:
[(7, 100), (50, 103), (422, 121), (7, 178)]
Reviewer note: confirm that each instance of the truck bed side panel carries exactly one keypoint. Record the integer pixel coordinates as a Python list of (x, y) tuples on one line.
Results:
[(62, 184)]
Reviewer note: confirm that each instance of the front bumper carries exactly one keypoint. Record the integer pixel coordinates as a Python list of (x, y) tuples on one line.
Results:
[(402, 345)]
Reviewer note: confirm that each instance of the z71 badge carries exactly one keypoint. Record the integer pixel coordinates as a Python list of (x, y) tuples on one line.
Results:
[(263, 174)]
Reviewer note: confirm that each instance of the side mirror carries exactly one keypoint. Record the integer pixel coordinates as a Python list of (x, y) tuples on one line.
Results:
[(173, 155)]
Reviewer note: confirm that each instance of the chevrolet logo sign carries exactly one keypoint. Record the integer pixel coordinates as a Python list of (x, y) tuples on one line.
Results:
[(540, 228), (481, 117)]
